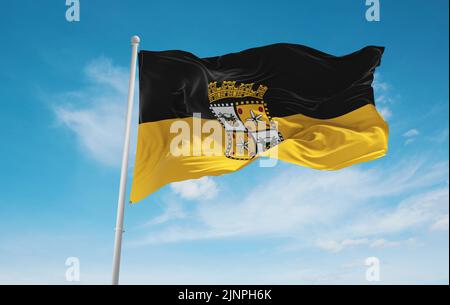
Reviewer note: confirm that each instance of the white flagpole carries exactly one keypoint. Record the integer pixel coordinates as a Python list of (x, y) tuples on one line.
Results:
[(123, 174)]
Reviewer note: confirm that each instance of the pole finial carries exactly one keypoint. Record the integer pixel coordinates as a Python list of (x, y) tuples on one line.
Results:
[(135, 39)]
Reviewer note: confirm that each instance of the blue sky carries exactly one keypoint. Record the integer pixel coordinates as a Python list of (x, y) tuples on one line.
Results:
[(63, 92)]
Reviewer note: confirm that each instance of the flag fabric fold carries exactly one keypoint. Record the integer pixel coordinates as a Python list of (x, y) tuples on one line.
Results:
[(282, 101)]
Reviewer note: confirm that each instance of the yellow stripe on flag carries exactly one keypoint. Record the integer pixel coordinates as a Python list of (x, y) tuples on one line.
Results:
[(358, 136)]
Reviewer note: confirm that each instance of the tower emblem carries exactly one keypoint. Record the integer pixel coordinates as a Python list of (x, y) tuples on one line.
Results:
[(245, 117)]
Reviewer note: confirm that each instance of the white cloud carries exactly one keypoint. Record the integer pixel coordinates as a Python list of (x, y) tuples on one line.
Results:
[(173, 210), (337, 246), (331, 210), (409, 141), (383, 243), (383, 96), (102, 72), (415, 211), (441, 224), (411, 133), (411, 136), (203, 188), (385, 112), (382, 90), (96, 113)]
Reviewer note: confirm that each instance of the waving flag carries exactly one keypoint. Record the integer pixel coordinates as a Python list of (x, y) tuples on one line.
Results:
[(282, 101)]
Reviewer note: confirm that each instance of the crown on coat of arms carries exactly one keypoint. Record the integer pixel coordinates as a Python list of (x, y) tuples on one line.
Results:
[(228, 89)]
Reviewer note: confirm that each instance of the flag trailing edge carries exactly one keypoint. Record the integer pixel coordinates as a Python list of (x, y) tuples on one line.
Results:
[(314, 109)]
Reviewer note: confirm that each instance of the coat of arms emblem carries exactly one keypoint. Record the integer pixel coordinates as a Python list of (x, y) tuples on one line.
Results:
[(245, 117)]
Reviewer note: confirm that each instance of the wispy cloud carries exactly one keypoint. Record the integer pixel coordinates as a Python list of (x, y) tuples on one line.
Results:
[(411, 135), (337, 246), (383, 243), (96, 113), (383, 96), (338, 209), (383, 90), (385, 112), (173, 211), (441, 224), (418, 210), (203, 188)]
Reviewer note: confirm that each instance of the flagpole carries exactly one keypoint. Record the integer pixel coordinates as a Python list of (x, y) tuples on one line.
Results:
[(123, 174)]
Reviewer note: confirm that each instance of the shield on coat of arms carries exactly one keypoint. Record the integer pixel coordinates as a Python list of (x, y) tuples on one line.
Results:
[(245, 117)]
